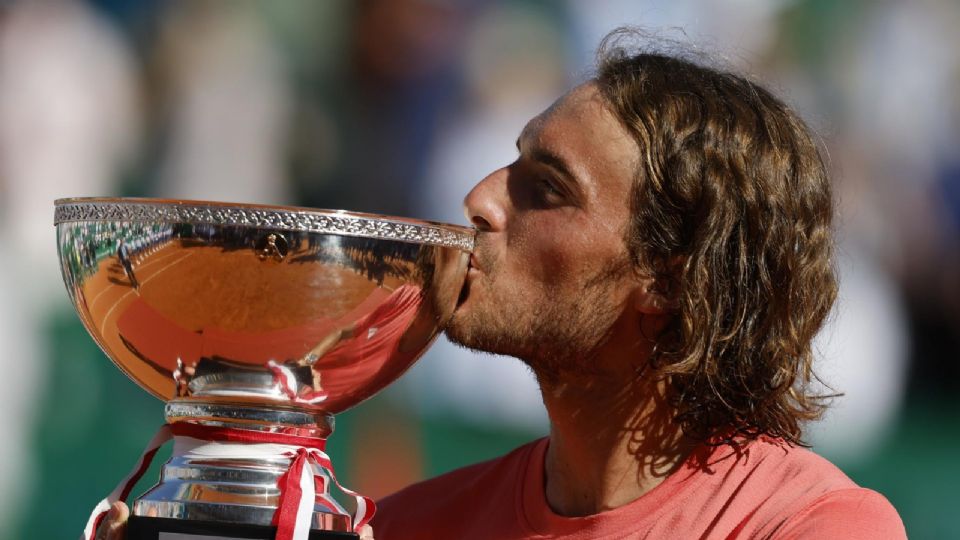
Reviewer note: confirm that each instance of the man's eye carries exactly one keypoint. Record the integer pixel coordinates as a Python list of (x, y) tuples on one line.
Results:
[(549, 189), (547, 193)]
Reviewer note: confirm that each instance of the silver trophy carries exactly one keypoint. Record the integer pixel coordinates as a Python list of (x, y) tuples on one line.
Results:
[(255, 324)]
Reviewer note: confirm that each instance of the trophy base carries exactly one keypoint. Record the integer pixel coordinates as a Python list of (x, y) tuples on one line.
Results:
[(154, 528)]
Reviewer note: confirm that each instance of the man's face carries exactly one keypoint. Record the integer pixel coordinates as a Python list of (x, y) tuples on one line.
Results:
[(551, 280)]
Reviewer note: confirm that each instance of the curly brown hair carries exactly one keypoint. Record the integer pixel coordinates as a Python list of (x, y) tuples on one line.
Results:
[(732, 212)]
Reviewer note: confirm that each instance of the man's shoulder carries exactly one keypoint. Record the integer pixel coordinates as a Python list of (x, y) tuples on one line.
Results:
[(804, 494), (854, 513), (794, 466), (462, 490)]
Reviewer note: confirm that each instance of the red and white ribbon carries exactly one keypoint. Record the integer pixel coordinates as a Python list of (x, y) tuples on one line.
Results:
[(284, 378), (305, 484), (122, 491)]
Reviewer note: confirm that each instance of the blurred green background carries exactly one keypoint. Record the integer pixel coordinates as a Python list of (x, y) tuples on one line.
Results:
[(399, 107)]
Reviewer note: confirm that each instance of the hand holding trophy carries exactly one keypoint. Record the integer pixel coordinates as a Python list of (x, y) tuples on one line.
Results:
[(255, 325)]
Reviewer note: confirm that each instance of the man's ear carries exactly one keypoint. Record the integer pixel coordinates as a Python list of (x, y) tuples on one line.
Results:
[(658, 295), (651, 298)]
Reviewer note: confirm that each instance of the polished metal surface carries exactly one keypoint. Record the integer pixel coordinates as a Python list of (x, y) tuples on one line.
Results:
[(257, 418), (194, 300), (230, 491), (254, 317)]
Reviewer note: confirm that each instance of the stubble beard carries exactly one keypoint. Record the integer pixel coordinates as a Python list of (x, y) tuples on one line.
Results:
[(555, 330)]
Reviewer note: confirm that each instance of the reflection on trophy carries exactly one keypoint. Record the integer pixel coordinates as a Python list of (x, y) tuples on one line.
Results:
[(256, 325)]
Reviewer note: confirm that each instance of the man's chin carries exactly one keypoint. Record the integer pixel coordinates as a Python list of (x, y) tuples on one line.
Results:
[(455, 330), (464, 330)]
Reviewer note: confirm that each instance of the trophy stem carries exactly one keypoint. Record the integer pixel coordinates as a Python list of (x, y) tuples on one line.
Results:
[(255, 418), (236, 483)]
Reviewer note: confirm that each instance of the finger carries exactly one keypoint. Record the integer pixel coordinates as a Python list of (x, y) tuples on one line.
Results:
[(101, 533), (117, 524), (366, 532), (104, 525)]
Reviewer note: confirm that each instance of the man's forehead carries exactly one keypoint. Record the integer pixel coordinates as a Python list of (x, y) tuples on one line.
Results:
[(583, 110), (576, 102), (583, 126)]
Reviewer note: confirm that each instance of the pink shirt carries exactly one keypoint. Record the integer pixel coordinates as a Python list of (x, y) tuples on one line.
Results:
[(768, 490)]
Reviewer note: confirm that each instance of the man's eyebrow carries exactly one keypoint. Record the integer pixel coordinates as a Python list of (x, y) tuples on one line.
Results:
[(558, 164), (553, 161), (548, 158)]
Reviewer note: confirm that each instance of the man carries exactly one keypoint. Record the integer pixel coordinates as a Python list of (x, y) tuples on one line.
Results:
[(659, 256), (123, 253)]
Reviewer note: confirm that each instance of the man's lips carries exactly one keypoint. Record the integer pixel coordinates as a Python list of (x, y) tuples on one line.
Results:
[(465, 288), (472, 272), (472, 267)]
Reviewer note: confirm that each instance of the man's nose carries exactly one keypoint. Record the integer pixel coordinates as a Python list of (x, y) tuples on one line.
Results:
[(485, 205)]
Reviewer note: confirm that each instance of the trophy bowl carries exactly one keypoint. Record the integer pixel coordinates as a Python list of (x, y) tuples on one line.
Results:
[(253, 319)]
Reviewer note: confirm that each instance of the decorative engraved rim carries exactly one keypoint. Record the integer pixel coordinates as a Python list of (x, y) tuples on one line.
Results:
[(263, 216)]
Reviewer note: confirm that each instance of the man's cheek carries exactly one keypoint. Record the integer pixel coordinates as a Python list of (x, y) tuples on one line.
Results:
[(554, 265)]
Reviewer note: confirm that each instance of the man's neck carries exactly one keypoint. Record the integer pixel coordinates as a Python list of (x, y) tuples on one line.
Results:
[(612, 439)]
